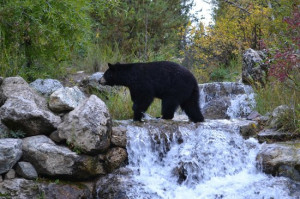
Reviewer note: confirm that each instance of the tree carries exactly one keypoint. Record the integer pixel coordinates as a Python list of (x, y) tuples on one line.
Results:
[(39, 35)]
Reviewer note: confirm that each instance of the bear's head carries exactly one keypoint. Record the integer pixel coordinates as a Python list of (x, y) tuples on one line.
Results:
[(112, 75)]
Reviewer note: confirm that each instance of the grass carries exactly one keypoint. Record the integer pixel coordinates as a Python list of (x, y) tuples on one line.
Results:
[(119, 103), (278, 93)]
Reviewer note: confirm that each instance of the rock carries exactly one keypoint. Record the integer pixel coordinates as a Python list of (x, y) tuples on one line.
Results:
[(272, 135), (223, 100), (10, 174), (253, 115), (254, 71), (46, 86), (248, 129), (19, 188), (88, 126), (55, 137), (3, 98), (281, 159), (65, 99), (217, 109), (275, 118), (118, 136), (92, 83), (10, 153), (115, 185), (26, 170), (25, 110), (4, 131), (114, 158), (56, 161)]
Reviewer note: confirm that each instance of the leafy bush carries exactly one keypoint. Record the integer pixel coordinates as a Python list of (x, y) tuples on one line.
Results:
[(37, 37)]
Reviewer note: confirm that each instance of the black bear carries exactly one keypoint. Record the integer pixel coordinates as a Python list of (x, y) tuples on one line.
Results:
[(168, 81)]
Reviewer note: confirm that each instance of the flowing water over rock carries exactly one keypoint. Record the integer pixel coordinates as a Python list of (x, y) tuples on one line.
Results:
[(180, 160)]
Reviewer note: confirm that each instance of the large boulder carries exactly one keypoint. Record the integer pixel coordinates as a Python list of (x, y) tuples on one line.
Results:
[(56, 161), (65, 99), (46, 86), (281, 159), (254, 70), (88, 126), (224, 100), (10, 153), (25, 110)]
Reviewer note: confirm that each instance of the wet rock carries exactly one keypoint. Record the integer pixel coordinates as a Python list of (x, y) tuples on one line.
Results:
[(272, 135), (281, 159), (254, 71), (115, 157), (25, 110), (118, 136), (217, 109), (248, 129), (52, 160), (19, 188), (26, 170), (10, 174), (88, 126), (223, 100), (10, 153), (46, 86), (65, 99)]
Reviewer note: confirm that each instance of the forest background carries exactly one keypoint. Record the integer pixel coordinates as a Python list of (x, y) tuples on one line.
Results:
[(51, 39)]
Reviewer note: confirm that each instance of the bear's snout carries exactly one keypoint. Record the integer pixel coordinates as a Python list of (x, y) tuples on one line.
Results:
[(102, 81)]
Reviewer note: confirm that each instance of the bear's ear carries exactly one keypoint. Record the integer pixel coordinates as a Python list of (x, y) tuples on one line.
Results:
[(111, 66)]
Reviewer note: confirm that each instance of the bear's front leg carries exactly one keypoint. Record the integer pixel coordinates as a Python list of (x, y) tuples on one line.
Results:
[(138, 115), (140, 106)]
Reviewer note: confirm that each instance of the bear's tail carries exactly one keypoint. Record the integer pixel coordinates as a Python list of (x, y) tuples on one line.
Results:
[(192, 107)]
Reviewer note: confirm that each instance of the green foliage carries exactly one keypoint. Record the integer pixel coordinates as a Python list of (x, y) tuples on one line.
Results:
[(12, 134), (119, 103), (140, 27), (38, 37), (276, 94)]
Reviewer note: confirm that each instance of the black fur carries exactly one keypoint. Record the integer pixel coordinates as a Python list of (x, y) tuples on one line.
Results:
[(171, 82)]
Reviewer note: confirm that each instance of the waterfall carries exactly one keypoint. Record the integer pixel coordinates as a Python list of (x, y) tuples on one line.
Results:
[(210, 160)]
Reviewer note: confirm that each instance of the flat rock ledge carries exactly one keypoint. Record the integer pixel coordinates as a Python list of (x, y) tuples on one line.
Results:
[(281, 159)]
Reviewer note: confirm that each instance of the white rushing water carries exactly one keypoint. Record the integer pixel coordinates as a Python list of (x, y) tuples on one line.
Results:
[(209, 161)]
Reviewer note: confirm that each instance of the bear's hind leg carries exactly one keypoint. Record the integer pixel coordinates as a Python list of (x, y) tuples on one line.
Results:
[(169, 107)]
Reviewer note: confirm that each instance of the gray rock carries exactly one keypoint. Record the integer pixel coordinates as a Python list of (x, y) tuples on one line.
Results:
[(281, 159), (223, 100), (114, 158), (248, 129), (56, 161), (275, 118), (25, 110), (65, 99), (272, 135), (55, 137), (254, 71), (10, 153), (4, 131), (11, 174), (26, 170), (46, 86), (118, 136), (20, 188), (88, 126)]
